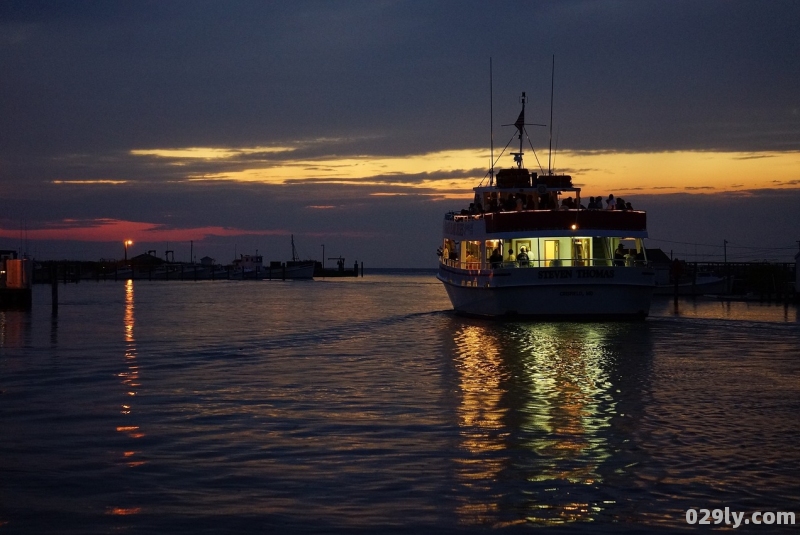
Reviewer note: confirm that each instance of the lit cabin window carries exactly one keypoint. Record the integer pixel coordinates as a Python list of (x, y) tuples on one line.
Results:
[(552, 256)]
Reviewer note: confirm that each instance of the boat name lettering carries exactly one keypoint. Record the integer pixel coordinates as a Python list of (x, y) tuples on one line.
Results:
[(555, 274), (581, 274), (596, 274), (458, 228)]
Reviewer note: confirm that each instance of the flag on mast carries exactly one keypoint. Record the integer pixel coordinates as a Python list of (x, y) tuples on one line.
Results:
[(520, 124)]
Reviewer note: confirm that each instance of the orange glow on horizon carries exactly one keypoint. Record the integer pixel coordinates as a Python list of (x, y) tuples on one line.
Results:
[(89, 182), (684, 172), (109, 230), (207, 153), (451, 171)]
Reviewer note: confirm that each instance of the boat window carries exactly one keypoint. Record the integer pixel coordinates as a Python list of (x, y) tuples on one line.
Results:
[(581, 252), (627, 252), (491, 245), (602, 250), (472, 254), (449, 251), (552, 255), (640, 249)]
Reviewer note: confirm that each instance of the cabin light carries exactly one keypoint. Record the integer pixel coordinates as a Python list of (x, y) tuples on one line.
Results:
[(574, 226)]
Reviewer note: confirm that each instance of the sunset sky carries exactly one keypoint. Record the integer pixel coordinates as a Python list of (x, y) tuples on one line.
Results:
[(357, 124)]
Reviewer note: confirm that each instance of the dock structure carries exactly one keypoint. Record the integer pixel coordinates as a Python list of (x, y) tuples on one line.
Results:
[(797, 276), (150, 268), (339, 271), (16, 278), (763, 281)]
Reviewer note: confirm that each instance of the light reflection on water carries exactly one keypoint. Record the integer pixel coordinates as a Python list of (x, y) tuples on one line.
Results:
[(714, 308), (537, 401), (364, 404)]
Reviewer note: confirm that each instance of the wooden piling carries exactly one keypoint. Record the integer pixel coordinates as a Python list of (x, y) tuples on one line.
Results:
[(54, 289)]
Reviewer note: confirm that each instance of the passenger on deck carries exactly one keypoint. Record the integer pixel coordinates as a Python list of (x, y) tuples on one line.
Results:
[(497, 258), (628, 206), (619, 255), (511, 258), (522, 258), (620, 204), (611, 203), (629, 259)]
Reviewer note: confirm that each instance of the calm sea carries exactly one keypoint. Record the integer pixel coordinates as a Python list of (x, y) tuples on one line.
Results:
[(365, 405)]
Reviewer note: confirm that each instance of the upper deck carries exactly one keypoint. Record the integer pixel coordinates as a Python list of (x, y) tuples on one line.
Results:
[(522, 202), (626, 222)]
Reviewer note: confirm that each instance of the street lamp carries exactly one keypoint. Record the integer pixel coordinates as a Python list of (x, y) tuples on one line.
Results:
[(323, 256), (127, 243)]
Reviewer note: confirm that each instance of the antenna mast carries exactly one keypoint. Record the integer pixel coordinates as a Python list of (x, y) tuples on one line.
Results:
[(521, 127), (491, 125), (550, 151)]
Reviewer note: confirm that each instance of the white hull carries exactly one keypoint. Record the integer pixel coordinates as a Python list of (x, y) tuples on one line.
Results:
[(562, 293)]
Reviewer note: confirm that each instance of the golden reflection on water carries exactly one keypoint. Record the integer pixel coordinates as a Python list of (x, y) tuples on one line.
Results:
[(13, 327), (480, 415), (548, 386), (708, 308), (130, 376)]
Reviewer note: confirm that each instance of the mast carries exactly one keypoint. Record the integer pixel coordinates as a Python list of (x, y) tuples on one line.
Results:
[(520, 124), (550, 151), (491, 126), (294, 251)]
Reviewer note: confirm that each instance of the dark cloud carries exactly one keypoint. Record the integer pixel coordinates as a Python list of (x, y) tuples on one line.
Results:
[(85, 83), (406, 76)]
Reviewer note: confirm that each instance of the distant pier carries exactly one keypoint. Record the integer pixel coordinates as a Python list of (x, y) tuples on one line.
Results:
[(64, 271), (758, 281)]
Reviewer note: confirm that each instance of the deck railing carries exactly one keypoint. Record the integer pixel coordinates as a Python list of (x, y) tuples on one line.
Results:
[(561, 263), (630, 220)]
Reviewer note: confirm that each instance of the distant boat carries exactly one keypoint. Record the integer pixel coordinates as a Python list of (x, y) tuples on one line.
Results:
[(703, 284), (292, 269)]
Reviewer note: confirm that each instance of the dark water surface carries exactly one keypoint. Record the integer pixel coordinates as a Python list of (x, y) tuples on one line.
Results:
[(366, 406)]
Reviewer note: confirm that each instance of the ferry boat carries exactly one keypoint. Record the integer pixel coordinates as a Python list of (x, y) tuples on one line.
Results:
[(521, 250)]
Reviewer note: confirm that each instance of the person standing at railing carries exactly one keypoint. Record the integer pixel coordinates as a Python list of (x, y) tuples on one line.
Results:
[(511, 259), (522, 258), (496, 259)]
